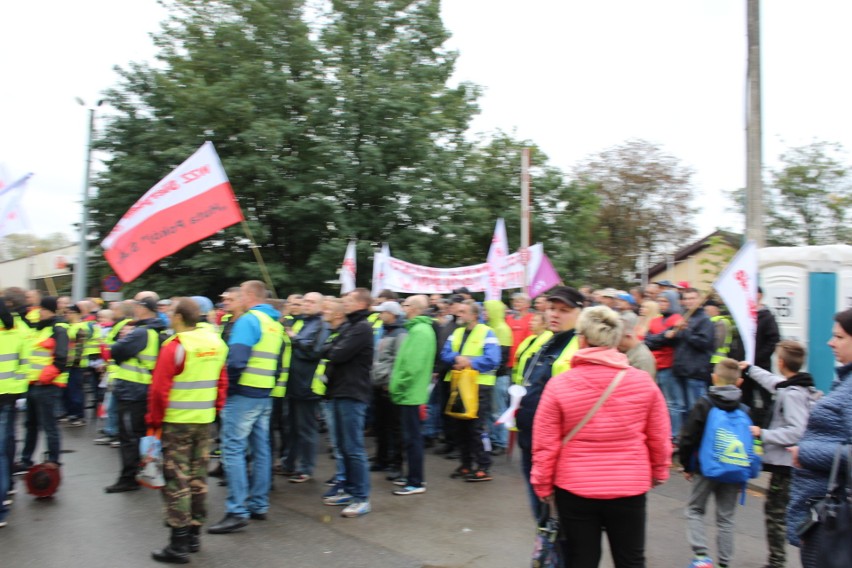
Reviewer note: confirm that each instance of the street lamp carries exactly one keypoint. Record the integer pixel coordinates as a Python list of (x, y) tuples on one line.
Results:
[(78, 288)]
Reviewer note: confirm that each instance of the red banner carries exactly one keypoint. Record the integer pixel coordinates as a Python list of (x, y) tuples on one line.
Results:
[(193, 202)]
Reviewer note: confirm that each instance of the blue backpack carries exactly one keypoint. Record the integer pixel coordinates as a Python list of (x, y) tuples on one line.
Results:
[(727, 451)]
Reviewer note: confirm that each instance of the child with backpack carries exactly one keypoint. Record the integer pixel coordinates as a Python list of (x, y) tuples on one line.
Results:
[(793, 395), (717, 454)]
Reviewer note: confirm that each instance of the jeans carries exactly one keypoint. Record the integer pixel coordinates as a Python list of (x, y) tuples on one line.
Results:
[(473, 434), (349, 417), (413, 443), (387, 429), (583, 520), (279, 426), (304, 434), (526, 469), (131, 428), (42, 405), (7, 453), (695, 389), (74, 395), (340, 471), (245, 426), (499, 404), (432, 426), (111, 426), (726, 505), (675, 395)]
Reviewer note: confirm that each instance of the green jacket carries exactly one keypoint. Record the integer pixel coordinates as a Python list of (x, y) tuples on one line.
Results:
[(412, 370)]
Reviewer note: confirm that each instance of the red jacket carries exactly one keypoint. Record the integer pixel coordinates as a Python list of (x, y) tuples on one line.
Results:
[(168, 366), (665, 355), (621, 450), (520, 331)]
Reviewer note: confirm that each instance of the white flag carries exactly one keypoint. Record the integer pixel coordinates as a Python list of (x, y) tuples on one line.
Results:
[(496, 259), (347, 271), (737, 286), (11, 215), (379, 260)]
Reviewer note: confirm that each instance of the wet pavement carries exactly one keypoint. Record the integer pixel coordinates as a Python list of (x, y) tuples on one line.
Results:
[(453, 525)]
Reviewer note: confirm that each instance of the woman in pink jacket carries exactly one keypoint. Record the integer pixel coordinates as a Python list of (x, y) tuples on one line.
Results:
[(599, 478)]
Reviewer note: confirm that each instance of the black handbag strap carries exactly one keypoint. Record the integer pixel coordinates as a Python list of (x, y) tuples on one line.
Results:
[(833, 480)]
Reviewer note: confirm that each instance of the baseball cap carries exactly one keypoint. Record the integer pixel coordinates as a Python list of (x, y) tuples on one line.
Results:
[(567, 295), (608, 293), (392, 307), (148, 302)]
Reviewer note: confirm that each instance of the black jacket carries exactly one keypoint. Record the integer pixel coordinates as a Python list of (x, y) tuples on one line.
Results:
[(727, 398), (694, 346), (130, 346), (350, 359), (307, 351)]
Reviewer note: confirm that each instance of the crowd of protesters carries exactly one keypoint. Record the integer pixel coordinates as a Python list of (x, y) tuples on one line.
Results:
[(258, 380)]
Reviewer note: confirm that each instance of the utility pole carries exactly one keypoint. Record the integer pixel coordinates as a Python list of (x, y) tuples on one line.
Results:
[(78, 286), (525, 213), (754, 136)]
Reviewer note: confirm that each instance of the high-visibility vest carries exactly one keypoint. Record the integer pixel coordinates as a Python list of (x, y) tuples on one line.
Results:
[(206, 326), (89, 348), (319, 384), (563, 362), (33, 315), (280, 388), (295, 325), (41, 357), (109, 339), (138, 369), (375, 320), (14, 358), (723, 350), (263, 361), (92, 347), (528, 347), (192, 399), (473, 347)]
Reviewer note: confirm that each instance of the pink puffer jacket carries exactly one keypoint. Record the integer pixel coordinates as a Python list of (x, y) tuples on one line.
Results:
[(621, 450)]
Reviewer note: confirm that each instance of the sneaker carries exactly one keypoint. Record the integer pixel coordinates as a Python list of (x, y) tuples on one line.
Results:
[(7, 502), (115, 444), (498, 451), (12, 491), (74, 422), (410, 490), (331, 481), (3, 523), (701, 562), (460, 472), (341, 498), (20, 468), (299, 478), (334, 490), (478, 475), (104, 440), (356, 509), (401, 481), (64, 419)]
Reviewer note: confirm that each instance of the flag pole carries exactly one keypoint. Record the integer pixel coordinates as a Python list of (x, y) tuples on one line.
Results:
[(259, 258)]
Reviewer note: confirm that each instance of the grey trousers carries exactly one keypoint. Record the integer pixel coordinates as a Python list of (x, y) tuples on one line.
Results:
[(726, 505)]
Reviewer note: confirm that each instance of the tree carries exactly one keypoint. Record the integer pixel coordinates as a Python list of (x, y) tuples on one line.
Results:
[(809, 197), (645, 205), (19, 245)]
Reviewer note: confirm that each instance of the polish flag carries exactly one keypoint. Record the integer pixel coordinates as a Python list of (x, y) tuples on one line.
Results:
[(497, 253), (191, 203), (737, 286), (347, 271)]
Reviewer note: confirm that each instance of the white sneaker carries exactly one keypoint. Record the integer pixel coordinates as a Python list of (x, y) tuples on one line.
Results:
[(356, 509), (409, 490)]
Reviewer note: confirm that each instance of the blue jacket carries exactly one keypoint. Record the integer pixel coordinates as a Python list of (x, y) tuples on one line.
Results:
[(307, 347), (486, 363), (830, 424), (244, 335)]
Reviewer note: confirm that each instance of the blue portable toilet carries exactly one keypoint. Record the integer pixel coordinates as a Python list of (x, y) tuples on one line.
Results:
[(804, 287)]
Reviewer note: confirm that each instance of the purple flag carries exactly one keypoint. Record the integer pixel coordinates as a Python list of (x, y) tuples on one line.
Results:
[(545, 278)]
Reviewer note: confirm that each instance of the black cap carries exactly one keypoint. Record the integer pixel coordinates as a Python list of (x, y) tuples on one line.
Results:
[(149, 302), (567, 295), (75, 308), (461, 290), (49, 303), (456, 299)]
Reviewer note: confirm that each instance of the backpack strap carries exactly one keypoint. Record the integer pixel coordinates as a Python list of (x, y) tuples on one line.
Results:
[(596, 407)]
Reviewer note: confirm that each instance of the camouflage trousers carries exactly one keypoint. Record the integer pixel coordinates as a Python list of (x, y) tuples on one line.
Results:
[(186, 449), (775, 510)]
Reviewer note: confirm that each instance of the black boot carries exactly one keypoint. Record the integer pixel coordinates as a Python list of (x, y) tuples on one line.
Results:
[(177, 551), (194, 538)]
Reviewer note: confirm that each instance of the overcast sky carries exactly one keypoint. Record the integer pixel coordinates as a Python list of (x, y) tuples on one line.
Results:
[(573, 76)]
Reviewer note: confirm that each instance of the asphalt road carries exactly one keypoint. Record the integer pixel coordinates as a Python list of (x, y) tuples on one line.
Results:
[(453, 525)]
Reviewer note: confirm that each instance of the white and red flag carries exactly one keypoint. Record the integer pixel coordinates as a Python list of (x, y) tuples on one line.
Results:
[(497, 253), (12, 218), (347, 271), (737, 286), (191, 203)]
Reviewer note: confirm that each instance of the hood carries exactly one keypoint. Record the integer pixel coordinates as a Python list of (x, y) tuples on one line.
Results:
[(798, 380), (674, 302), (357, 316), (496, 311), (607, 356), (154, 323), (418, 319), (726, 397), (267, 310)]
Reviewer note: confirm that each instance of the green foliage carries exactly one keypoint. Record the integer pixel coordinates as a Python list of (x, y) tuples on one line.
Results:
[(719, 255), (19, 245)]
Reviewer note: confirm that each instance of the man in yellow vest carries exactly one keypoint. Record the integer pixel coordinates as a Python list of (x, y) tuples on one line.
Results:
[(79, 333), (254, 364), (188, 388), (135, 354), (47, 376), (564, 305), (14, 353), (474, 346)]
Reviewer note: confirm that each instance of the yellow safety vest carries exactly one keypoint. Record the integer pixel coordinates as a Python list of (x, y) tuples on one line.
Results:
[(563, 362), (192, 399), (138, 369), (723, 350), (110, 339), (41, 357), (473, 347), (263, 361), (319, 384), (92, 347), (528, 347), (280, 388), (33, 316), (73, 332), (14, 358)]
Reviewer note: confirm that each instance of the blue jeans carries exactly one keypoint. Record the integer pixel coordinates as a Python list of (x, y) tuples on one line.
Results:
[(499, 404), (111, 426), (675, 393), (340, 471), (42, 405), (349, 417), (432, 426), (7, 453), (74, 395), (412, 441), (695, 389), (245, 425), (304, 434)]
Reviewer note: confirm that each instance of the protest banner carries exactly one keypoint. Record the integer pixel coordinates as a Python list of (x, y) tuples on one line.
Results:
[(737, 286)]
